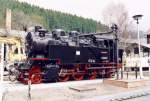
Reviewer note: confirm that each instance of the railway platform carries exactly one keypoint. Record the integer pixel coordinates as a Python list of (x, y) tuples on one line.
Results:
[(61, 91)]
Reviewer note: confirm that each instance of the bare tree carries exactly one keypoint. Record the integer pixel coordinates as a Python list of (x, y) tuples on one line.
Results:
[(118, 14)]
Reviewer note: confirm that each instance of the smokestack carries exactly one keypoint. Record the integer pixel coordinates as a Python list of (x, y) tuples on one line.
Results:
[(8, 20)]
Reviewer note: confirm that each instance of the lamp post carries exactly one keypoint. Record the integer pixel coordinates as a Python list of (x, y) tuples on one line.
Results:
[(137, 18)]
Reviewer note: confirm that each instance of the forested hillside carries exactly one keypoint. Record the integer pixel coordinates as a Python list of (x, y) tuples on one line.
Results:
[(24, 14)]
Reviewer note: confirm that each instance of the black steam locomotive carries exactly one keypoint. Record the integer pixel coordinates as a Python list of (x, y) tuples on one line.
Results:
[(58, 56)]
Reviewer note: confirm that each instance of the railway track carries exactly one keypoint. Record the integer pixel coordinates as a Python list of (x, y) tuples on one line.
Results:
[(131, 97)]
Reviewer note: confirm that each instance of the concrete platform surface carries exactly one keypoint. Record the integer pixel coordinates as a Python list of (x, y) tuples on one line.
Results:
[(132, 95), (13, 86), (61, 91)]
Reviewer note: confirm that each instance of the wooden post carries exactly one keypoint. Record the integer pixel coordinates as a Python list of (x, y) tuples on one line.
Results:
[(136, 70), (29, 89)]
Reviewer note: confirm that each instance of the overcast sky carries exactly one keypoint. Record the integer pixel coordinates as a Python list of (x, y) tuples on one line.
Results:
[(94, 8)]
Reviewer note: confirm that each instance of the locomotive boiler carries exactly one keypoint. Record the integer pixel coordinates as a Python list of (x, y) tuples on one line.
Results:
[(59, 56)]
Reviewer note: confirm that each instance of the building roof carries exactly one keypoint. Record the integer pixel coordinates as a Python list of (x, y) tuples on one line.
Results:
[(147, 32), (14, 33)]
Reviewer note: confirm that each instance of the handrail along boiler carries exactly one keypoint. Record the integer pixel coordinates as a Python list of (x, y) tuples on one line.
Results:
[(56, 56)]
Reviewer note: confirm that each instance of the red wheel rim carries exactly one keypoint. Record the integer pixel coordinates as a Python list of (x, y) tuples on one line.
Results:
[(93, 75), (36, 79), (63, 78), (35, 75), (78, 77)]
